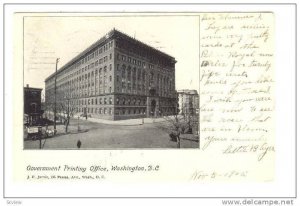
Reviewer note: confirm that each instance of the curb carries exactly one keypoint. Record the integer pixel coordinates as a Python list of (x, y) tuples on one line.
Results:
[(135, 124)]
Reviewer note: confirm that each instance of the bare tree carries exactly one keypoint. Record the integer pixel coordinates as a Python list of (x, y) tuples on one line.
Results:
[(174, 125), (67, 108), (49, 110), (177, 124)]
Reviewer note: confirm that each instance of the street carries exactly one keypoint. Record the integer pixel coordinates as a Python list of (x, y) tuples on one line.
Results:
[(94, 135)]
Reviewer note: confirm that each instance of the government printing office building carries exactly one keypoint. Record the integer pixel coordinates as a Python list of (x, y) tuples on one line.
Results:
[(117, 77)]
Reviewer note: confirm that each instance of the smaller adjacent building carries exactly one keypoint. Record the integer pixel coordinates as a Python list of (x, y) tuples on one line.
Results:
[(188, 106), (188, 102), (32, 105)]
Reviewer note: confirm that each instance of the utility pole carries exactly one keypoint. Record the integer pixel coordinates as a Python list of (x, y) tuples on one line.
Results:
[(57, 60)]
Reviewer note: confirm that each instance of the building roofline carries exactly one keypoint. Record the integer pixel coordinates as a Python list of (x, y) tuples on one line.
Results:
[(109, 35), (33, 88), (188, 91), (142, 43)]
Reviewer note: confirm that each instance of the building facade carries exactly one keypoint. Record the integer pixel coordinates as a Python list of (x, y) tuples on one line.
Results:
[(118, 77), (32, 105), (188, 101)]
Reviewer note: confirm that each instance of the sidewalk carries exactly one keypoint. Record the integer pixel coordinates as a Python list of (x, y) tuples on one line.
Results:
[(127, 122)]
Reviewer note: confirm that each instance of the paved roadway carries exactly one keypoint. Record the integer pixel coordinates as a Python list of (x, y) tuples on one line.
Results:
[(104, 136)]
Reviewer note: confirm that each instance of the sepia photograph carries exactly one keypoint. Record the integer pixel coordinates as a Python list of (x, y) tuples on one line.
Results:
[(111, 82)]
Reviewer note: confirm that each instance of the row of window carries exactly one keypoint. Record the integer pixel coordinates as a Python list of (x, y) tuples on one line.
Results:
[(119, 101), (94, 54), (131, 60), (110, 111), (130, 73), (150, 54), (89, 57), (88, 67), (81, 78), (89, 90), (121, 111)]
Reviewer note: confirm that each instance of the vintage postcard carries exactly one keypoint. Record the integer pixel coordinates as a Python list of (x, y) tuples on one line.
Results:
[(104, 98), (93, 82)]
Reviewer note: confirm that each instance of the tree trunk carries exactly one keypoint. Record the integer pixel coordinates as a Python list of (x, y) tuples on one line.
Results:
[(40, 139), (67, 124), (178, 141)]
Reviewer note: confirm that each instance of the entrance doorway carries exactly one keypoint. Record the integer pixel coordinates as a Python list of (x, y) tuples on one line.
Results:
[(153, 108)]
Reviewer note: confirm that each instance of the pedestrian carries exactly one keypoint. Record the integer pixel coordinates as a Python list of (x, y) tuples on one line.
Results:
[(78, 144)]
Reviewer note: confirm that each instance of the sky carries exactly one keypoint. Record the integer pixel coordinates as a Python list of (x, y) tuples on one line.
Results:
[(49, 37)]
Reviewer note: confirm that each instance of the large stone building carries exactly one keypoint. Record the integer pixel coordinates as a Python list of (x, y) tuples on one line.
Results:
[(32, 105), (188, 101), (117, 77)]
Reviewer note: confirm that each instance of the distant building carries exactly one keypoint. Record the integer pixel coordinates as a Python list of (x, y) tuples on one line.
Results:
[(188, 102), (117, 77), (32, 104)]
